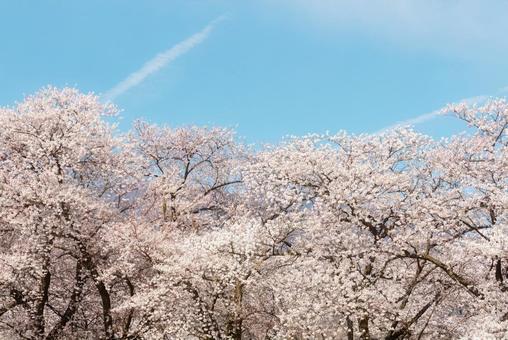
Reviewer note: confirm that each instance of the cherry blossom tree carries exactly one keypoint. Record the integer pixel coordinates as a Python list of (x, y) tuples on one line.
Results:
[(185, 233), (63, 182)]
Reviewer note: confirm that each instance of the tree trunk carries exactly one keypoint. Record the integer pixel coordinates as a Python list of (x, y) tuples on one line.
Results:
[(72, 306), (363, 327), (40, 305), (349, 329), (103, 292)]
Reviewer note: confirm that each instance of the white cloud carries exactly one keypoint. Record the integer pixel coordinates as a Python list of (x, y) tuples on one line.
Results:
[(469, 28), (160, 60)]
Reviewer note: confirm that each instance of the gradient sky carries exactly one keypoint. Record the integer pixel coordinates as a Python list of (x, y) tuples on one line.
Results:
[(266, 68)]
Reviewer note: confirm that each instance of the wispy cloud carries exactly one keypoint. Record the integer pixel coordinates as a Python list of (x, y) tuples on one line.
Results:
[(467, 28), (161, 60), (431, 115)]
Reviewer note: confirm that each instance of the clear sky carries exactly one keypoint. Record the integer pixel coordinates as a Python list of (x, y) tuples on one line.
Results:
[(266, 68)]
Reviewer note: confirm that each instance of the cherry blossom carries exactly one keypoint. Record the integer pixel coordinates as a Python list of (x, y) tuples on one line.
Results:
[(186, 233)]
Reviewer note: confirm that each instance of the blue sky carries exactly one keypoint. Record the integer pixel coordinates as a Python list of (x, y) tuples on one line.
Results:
[(267, 68)]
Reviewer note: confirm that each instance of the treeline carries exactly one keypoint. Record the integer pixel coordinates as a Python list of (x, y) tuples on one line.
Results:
[(184, 233)]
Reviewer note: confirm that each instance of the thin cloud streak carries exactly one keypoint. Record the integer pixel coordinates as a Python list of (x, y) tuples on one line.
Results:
[(431, 115), (161, 60)]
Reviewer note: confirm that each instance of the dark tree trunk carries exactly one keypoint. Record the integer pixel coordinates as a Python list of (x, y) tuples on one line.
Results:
[(103, 293), (350, 329), (40, 305), (363, 327), (72, 306)]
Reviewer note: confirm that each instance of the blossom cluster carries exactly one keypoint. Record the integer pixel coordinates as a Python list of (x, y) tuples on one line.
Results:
[(185, 233)]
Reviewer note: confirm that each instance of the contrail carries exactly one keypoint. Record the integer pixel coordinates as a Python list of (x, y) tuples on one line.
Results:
[(160, 60), (431, 115)]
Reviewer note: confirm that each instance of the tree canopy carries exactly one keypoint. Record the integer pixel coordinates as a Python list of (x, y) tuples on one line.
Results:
[(185, 233)]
